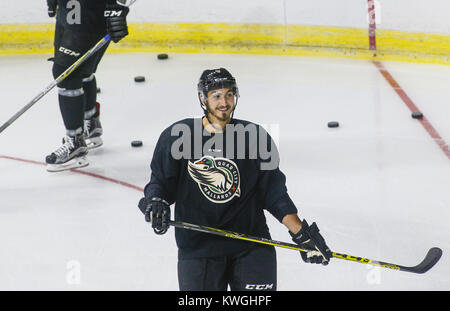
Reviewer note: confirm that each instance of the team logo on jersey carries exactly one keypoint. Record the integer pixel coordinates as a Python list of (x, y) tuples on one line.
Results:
[(217, 178)]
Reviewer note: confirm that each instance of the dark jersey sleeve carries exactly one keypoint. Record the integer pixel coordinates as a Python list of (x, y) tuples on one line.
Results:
[(272, 185), (272, 182), (164, 171)]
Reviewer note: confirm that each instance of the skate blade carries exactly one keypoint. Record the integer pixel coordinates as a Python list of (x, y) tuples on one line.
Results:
[(74, 163), (94, 142)]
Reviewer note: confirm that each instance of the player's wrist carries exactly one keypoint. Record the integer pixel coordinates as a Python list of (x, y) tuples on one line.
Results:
[(292, 222)]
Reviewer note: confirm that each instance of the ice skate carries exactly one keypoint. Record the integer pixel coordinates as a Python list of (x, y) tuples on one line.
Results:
[(93, 130), (72, 154)]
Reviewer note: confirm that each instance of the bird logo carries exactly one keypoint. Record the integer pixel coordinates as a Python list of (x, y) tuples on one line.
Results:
[(217, 178)]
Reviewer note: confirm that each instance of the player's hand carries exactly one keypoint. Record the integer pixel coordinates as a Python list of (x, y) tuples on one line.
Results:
[(52, 5), (156, 211), (116, 21), (310, 239)]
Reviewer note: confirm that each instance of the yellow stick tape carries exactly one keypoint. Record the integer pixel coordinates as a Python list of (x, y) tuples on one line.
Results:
[(297, 40)]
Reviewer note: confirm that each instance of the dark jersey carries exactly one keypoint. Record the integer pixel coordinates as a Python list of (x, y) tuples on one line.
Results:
[(216, 186), (86, 16)]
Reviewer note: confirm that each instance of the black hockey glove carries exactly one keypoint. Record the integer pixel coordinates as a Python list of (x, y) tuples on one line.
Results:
[(116, 21), (310, 239), (52, 5), (156, 211)]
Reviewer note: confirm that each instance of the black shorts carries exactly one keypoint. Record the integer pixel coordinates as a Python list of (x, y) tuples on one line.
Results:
[(252, 269), (70, 46)]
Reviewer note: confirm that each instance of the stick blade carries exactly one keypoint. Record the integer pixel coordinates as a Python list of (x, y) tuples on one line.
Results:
[(432, 257)]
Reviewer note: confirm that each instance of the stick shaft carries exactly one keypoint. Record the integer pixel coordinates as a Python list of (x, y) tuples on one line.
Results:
[(64, 75), (240, 236)]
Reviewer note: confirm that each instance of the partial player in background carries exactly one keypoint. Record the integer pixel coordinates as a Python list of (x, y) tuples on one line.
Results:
[(224, 190), (80, 24)]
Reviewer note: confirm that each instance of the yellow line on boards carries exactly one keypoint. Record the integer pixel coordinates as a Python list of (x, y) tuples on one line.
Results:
[(263, 39)]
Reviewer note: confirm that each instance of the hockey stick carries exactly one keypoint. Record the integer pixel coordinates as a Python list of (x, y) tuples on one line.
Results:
[(432, 257), (64, 75)]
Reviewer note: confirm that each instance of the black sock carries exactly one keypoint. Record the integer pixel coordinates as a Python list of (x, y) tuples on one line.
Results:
[(71, 104), (90, 93)]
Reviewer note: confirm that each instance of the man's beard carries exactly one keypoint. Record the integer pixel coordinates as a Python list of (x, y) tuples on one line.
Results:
[(222, 116)]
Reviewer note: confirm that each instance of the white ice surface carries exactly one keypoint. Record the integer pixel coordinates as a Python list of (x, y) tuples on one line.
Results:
[(378, 186)]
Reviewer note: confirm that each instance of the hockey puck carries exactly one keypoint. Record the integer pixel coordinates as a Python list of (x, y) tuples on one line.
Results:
[(163, 56), (332, 124), (417, 115), (139, 79), (136, 143)]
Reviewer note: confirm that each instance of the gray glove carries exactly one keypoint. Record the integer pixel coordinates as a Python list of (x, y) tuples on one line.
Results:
[(116, 21), (52, 6)]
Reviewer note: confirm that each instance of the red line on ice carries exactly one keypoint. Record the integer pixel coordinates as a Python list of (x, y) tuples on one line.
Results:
[(116, 181), (410, 104)]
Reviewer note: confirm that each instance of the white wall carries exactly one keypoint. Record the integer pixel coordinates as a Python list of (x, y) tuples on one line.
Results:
[(406, 15), (416, 15)]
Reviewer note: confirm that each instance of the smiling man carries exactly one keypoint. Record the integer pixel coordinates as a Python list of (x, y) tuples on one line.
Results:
[(223, 183)]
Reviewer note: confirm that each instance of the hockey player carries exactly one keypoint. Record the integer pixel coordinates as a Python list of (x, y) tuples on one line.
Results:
[(214, 184), (80, 24)]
